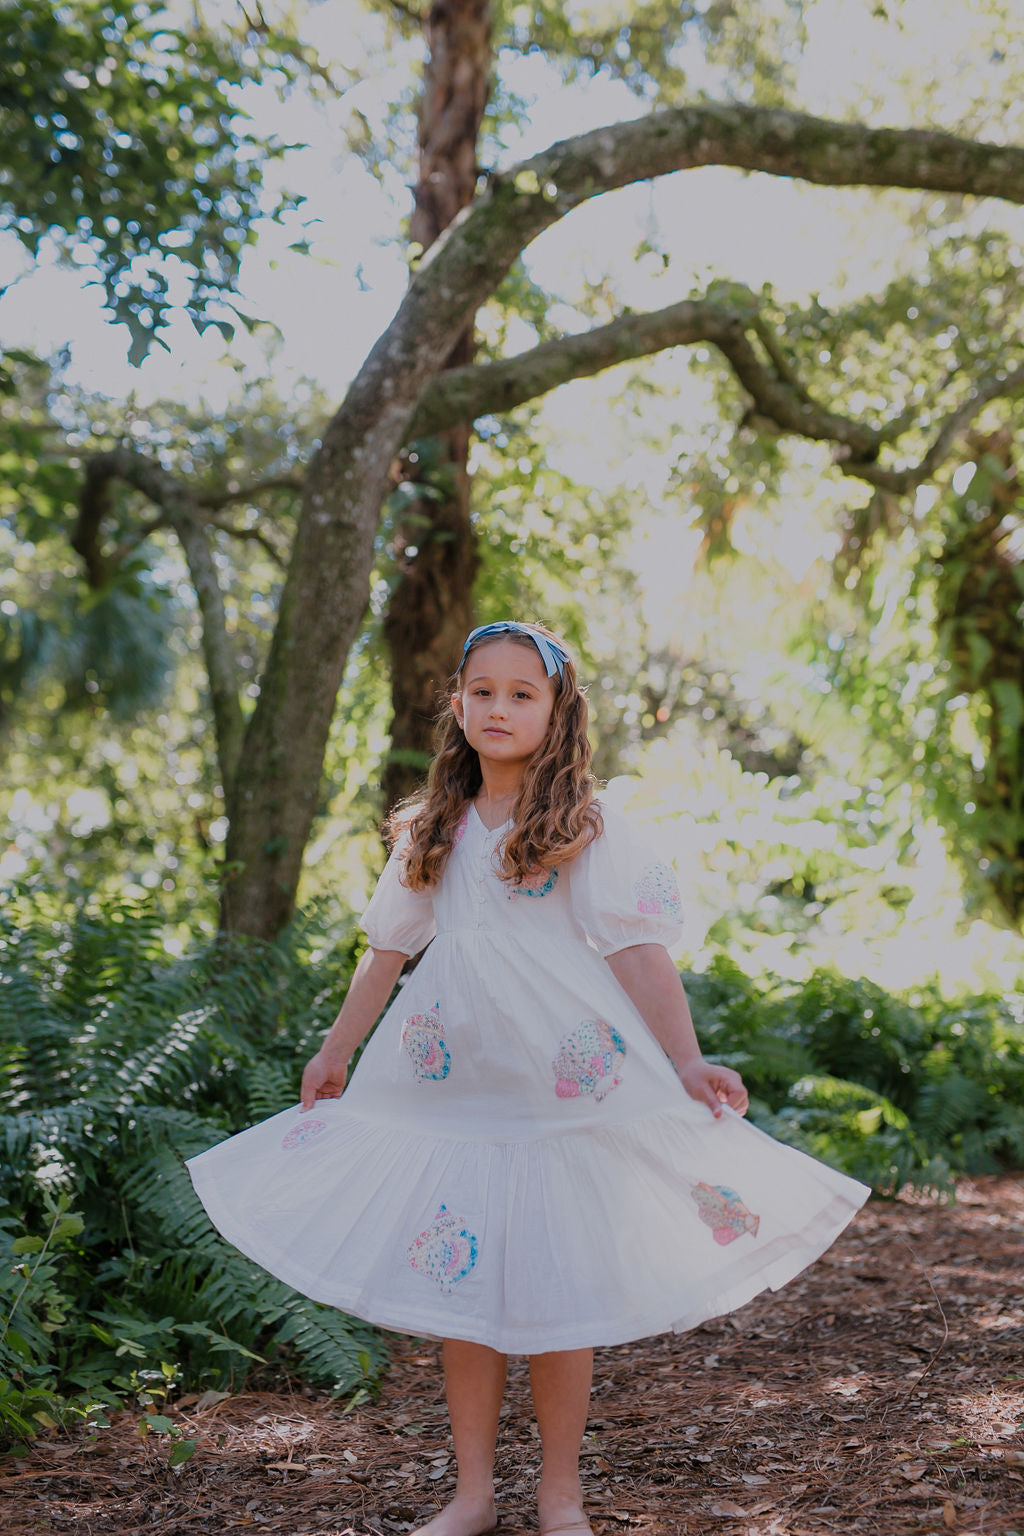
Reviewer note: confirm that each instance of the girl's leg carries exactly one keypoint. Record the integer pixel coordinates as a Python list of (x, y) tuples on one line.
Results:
[(560, 1382), (474, 1383)]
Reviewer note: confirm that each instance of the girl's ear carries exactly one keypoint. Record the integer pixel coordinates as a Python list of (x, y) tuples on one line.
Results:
[(457, 709)]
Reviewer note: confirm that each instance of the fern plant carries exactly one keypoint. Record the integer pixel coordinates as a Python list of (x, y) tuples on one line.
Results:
[(118, 1062)]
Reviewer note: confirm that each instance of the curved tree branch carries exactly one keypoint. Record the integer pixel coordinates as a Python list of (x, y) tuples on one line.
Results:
[(178, 511), (464, 267), (464, 394), (217, 500), (255, 535)]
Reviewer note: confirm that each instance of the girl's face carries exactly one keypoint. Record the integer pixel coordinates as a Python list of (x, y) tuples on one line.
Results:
[(504, 705)]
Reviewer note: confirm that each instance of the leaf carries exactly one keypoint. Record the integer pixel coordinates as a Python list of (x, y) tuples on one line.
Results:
[(158, 1422), (184, 1450), (1010, 700), (27, 1244)]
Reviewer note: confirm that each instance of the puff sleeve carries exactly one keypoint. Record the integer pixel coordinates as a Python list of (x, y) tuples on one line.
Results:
[(396, 917), (622, 892)]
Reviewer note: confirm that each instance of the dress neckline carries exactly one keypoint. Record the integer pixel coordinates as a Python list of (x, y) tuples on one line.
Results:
[(489, 830)]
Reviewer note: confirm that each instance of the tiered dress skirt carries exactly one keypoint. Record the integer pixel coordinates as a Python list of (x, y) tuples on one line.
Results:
[(515, 1161)]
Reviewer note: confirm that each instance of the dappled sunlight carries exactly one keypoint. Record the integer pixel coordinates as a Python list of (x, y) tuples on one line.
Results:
[(738, 838)]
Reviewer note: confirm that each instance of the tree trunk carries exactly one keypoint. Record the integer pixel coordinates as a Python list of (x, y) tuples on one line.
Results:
[(433, 543)]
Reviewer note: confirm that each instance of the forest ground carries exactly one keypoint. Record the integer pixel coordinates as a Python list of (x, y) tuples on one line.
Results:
[(880, 1394)]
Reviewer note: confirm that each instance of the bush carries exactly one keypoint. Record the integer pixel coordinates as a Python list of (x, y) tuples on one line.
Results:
[(897, 1092), (117, 1062)]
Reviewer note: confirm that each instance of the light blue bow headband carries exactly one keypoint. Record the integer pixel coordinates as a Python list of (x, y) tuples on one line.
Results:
[(551, 653)]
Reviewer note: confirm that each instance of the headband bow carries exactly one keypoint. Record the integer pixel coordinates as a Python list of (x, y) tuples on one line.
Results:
[(551, 653)]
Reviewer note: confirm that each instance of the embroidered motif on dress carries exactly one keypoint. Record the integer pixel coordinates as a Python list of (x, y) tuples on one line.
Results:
[(446, 1251), (589, 1061), (304, 1131), (460, 830), (721, 1208), (423, 1039), (537, 884), (657, 890)]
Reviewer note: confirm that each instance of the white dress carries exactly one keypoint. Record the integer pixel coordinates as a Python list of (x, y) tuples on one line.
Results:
[(514, 1161)]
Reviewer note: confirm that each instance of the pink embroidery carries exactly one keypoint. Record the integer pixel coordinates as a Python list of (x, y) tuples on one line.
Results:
[(304, 1131), (657, 890), (721, 1209), (540, 883), (446, 1251), (589, 1061), (423, 1039), (460, 830)]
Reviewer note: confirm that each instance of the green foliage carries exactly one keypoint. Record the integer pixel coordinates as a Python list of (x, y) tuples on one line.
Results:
[(894, 1091), (124, 141), (117, 1062), (653, 45)]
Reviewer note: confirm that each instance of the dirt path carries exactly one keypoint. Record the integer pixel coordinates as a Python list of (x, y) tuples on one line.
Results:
[(840, 1405)]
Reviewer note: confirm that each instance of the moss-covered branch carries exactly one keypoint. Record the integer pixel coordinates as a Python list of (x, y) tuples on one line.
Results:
[(465, 394)]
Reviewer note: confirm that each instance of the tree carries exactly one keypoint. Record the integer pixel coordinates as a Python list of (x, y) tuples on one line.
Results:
[(271, 762)]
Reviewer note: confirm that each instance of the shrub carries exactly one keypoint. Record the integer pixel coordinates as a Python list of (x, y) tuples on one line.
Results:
[(895, 1091), (117, 1062)]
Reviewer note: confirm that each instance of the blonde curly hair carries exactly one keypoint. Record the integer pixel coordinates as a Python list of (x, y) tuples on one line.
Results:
[(554, 816)]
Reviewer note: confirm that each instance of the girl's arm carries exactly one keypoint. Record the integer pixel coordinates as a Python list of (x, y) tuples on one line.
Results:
[(646, 974), (370, 987)]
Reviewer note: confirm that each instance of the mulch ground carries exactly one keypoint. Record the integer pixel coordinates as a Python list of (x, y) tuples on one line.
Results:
[(882, 1393)]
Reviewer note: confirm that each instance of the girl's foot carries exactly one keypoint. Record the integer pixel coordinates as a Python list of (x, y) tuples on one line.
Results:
[(561, 1513), (464, 1516)]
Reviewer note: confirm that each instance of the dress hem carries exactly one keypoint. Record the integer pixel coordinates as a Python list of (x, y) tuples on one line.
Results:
[(747, 1281)]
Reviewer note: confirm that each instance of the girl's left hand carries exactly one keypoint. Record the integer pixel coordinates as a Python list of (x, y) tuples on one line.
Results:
[(713, 1085)]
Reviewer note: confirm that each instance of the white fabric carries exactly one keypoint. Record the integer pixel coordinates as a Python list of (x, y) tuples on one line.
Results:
[(514, 1160)]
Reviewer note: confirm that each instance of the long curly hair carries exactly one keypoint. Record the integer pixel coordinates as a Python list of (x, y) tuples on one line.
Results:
[(554, 816)]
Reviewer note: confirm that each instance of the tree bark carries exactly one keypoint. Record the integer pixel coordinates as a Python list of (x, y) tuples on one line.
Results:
[(433, 542), (276, 793)]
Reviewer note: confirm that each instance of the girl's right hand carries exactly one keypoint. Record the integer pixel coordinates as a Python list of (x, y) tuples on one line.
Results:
[(322, 1078)]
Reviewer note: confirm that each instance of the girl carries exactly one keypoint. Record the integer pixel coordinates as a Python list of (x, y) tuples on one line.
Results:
[(533, 1156)]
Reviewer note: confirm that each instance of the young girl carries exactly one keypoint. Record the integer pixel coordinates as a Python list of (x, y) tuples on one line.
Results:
[(533, 1156)]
